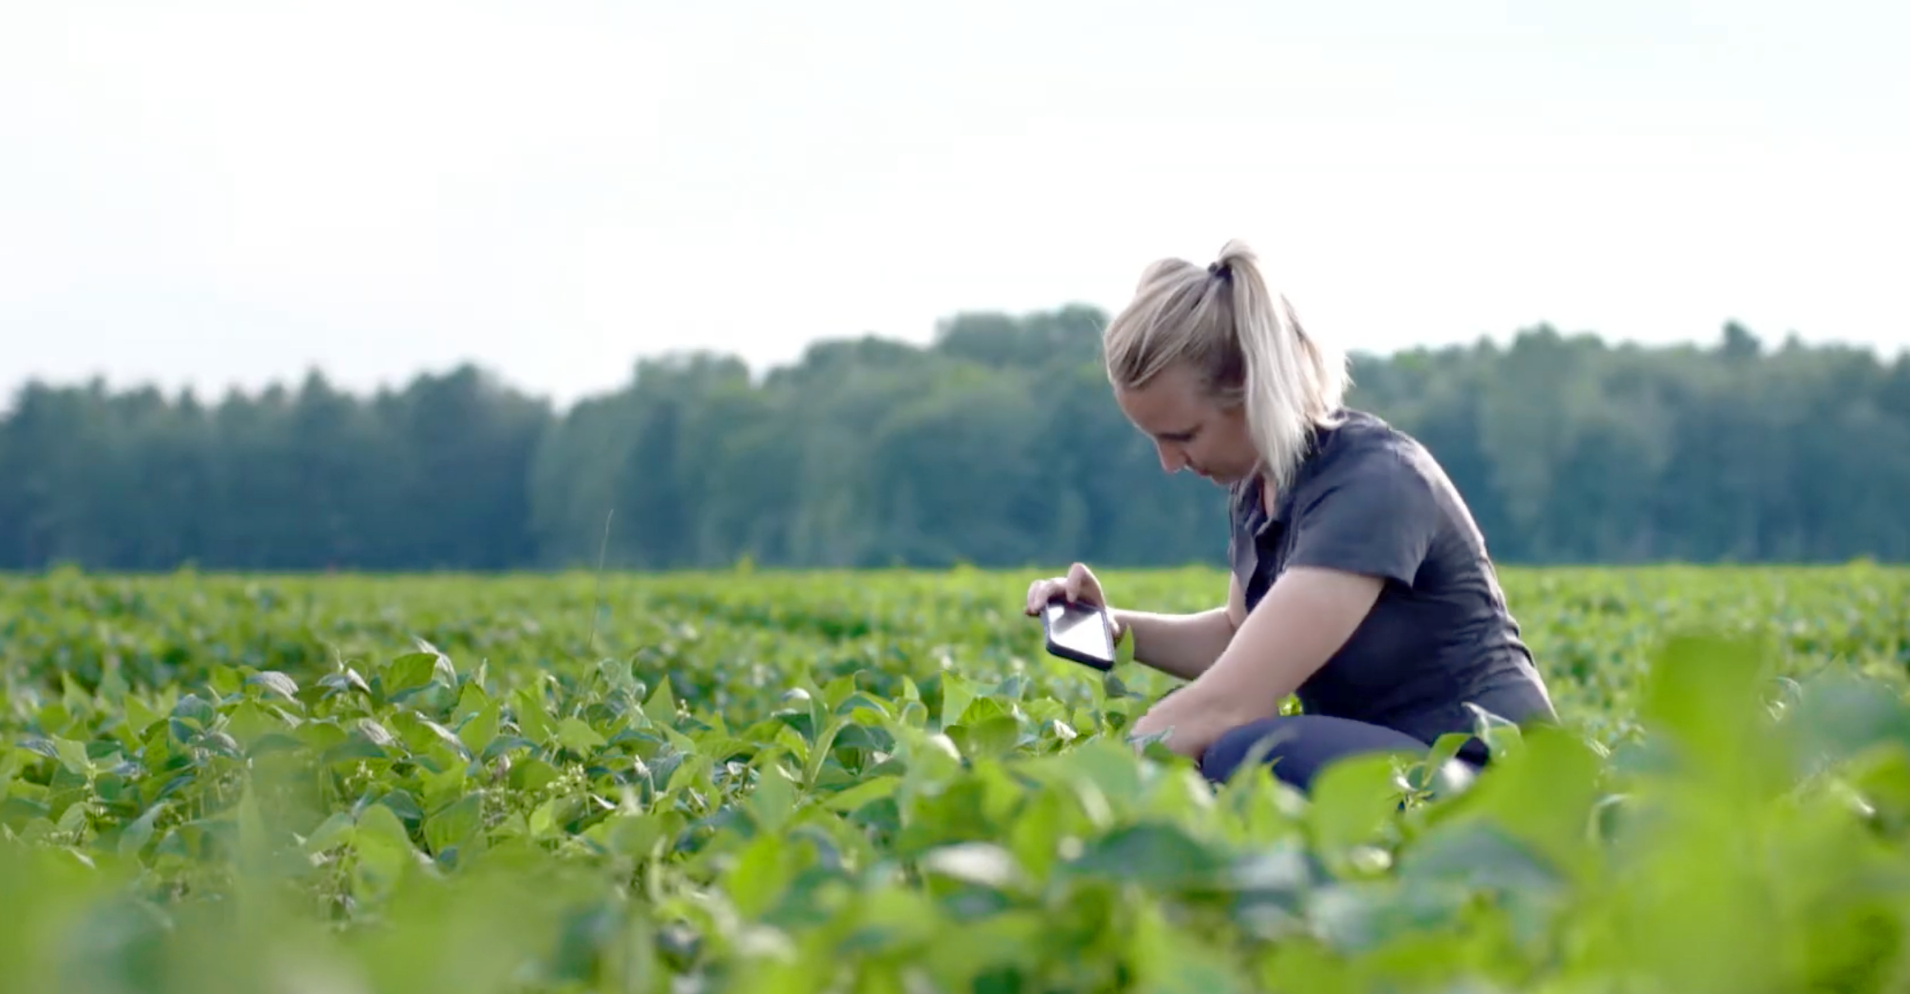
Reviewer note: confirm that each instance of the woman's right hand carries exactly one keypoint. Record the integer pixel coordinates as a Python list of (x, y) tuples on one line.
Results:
[(1078, 586)]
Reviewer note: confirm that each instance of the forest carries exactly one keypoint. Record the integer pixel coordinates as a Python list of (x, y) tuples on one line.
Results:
[(997, 444)]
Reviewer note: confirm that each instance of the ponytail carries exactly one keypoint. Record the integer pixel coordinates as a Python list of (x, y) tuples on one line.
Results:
[(1289, 382)]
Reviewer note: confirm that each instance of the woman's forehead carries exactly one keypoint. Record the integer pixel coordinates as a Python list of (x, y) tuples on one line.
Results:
[(1170, 402)]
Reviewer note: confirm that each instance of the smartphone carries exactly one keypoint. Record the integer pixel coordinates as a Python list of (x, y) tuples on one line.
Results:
[(1082, 633)]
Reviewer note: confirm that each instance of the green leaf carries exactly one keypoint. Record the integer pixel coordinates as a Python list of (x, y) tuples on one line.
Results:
[(381, 820), (336, 830), (1154, 855), (1839, 715), (455, 825), (73, 756), (274, 682), (774, 798), (577, 736), (1479, 855), (408, 672), (661, 707), (400, 802), (248, 723), (532, 774), (532, 720), (861, 702), (1543, 797), (957, 694), (480, 730), (1352, 802), (761, 872), (1178, 960), (982, 863), (139, 831), (862, 793), (1362, 917)]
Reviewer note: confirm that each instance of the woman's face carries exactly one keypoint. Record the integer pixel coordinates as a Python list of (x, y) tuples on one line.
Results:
[(1190, 430)]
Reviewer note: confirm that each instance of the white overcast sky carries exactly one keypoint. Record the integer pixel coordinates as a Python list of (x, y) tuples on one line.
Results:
[(230, 193)]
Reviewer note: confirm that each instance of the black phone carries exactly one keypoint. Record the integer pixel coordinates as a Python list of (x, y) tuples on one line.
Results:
[(1082, 633)]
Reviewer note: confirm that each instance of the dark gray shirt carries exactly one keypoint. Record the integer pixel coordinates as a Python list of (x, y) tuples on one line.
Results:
[(1370, 499)]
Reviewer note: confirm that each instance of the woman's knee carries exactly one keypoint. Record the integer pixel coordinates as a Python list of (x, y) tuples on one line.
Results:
[(1262, 742)]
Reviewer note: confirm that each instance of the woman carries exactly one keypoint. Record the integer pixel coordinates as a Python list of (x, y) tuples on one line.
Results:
[(1359, 580)]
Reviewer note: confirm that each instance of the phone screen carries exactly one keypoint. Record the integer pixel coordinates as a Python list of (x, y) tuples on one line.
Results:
[(1080, 628)]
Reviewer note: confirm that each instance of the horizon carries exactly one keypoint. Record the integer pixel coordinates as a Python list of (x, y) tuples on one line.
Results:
[(228, 197), (294, 381)]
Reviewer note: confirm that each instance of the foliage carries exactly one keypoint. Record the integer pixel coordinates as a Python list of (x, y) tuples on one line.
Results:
[(756, 781), (997, 445)]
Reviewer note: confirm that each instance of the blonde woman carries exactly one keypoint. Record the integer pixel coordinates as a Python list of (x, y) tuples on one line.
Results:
[(1360, 581)]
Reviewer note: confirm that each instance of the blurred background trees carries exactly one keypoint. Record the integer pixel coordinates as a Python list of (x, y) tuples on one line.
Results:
[(998, 444)]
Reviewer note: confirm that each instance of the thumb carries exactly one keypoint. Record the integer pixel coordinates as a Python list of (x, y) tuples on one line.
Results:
[(1079, 580)]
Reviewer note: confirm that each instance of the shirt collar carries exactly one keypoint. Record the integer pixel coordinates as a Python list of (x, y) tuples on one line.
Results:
[(1258, 517)]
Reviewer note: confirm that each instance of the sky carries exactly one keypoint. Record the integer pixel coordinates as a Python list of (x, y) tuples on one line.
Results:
[(230, 194)]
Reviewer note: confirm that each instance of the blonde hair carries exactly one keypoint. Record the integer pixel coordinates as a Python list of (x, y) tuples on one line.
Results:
[(1245, 343)]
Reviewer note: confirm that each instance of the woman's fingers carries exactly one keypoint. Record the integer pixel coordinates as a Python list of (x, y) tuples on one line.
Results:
[(1041, 592), (1079, 586)]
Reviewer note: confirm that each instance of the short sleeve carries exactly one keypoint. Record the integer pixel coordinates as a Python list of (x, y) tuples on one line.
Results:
[(1375, 514)]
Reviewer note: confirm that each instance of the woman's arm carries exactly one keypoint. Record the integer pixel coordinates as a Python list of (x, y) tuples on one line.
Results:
[(1182, 645), (1304, 619)]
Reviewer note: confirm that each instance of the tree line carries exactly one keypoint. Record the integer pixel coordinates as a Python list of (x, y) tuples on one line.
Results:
[(998, 444)]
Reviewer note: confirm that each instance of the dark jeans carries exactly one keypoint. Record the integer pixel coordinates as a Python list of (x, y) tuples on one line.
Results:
[(1300, 745)]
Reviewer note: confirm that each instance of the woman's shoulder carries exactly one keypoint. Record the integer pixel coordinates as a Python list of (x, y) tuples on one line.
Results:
[(1367, 446), (1357, 452)]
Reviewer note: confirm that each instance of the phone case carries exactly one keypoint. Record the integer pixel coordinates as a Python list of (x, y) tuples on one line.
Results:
[(1069, 653)]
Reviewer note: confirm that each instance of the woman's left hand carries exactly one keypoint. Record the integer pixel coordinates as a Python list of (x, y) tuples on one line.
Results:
[(1189, 731)]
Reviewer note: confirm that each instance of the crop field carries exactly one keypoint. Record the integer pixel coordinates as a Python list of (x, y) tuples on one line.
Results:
[(878, 782)]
